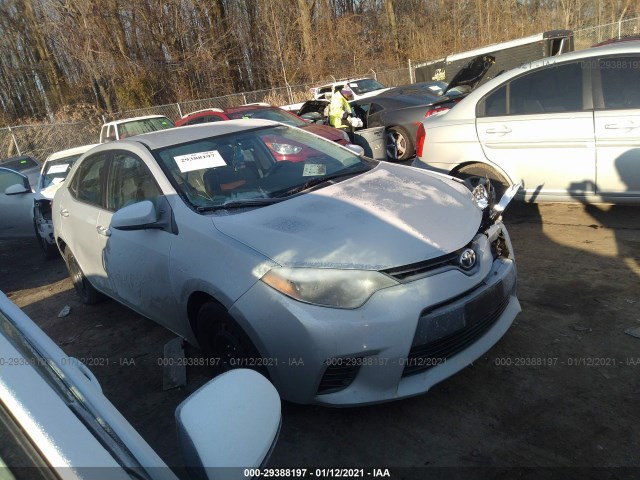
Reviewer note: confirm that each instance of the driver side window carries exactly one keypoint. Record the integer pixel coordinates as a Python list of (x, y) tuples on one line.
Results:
[(9, 178), (130, 181)]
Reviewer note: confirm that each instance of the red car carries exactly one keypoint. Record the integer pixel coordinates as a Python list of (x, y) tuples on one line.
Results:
[(293, 153)]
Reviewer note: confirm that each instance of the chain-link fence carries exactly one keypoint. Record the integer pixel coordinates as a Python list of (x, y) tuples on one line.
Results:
[(590, 36), (41, 140)]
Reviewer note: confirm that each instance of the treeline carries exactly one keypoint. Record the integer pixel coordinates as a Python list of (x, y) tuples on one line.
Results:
[(126, 54)]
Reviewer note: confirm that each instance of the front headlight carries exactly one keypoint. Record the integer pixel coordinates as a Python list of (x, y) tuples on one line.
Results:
[(480, 197), (328, 287)]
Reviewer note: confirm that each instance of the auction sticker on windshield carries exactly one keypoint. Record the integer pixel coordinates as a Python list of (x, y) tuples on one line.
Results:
[(199, 161), (314, 170), (58, 168)]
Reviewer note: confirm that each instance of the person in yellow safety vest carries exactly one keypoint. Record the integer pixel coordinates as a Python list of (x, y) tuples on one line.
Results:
[(340, 113)]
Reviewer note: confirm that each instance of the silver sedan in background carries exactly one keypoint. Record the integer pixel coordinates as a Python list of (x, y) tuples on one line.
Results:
[(345, 280)]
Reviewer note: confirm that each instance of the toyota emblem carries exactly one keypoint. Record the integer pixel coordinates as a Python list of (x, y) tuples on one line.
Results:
[(467, 259)]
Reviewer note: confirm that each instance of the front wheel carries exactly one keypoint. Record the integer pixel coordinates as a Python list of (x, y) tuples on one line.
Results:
[(223, 342), (404, 144), (88, 294)]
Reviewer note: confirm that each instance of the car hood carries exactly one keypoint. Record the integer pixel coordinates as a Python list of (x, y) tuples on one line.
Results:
[(471, 74), (389, 216), (48, 192)]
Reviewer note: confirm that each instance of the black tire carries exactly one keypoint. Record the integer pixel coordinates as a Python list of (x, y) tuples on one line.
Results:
[(472, 173), (88, 295), (50, 251), (404, 143), (222, 339)]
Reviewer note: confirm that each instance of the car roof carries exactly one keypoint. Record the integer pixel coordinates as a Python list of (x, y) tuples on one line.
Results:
[(70, 151), (134, 119), (190, 133)]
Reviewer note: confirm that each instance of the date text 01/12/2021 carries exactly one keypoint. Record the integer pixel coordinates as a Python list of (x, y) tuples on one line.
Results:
[(317, 473)]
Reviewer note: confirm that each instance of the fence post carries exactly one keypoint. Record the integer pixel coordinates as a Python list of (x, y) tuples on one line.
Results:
[(410, 72), (15, 142), (179, 110)]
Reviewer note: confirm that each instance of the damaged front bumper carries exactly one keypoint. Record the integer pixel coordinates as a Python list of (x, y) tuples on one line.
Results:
[(401, 342)]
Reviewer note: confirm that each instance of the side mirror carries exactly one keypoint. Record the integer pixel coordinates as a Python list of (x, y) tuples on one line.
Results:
[(137, 216), (357, 149), (230, 424), (17, 189)]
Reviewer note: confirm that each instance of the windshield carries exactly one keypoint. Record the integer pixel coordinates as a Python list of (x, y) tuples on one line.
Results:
[(146, 125), (55, 171), (20, 164), (275, 114), (255, 167), (365, 85)]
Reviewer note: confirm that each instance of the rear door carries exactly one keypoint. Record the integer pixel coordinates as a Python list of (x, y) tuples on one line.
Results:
[(79, 208), (617, 125), (539, 128)]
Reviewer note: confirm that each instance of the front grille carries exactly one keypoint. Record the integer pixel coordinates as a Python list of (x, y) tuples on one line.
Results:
[(424, 357), (414, 271), (451, 327), (339, 374)]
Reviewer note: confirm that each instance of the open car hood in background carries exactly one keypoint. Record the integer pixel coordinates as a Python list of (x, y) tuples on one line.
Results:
[(471, 74)]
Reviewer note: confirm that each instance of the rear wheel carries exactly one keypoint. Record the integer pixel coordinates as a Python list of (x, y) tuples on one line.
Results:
[(223, 342), (474, 172), (404, 144), (88, 294)]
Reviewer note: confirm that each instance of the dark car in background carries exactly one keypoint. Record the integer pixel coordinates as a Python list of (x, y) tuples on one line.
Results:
[(400, 114), (402, 109), (24, 164)]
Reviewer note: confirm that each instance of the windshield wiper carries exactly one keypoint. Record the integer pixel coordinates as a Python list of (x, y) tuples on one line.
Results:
[(254, 202), (315, 182)]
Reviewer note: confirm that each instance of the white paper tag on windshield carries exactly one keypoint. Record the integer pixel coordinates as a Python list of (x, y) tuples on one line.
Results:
[(199, 161), (58, 168), (57, 180), (314, 170)]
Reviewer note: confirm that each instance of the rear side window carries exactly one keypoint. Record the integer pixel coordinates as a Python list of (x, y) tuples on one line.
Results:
[(87, 184), (620, 78), (553, 89)]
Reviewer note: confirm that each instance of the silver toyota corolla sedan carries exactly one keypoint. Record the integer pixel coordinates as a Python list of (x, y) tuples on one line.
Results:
[(346, 281)]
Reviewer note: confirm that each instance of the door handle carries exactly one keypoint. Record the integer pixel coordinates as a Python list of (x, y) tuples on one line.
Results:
[(621, 126), (499, 131), (104, 231), (64, 212)]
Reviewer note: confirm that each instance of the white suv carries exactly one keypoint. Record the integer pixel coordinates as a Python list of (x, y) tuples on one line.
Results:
[(568, 127)]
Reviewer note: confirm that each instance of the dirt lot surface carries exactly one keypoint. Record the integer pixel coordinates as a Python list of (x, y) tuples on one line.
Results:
[(561, 389)]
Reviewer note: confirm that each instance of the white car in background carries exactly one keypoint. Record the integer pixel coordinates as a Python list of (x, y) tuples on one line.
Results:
[(129, 127), (55, 421), (53, 172), (568, 127), (361, 88)]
